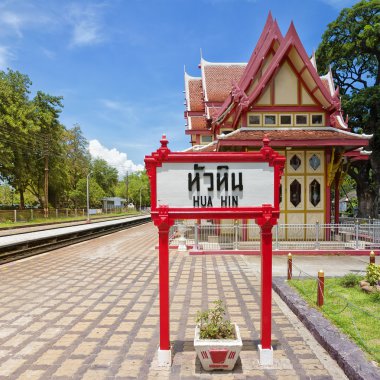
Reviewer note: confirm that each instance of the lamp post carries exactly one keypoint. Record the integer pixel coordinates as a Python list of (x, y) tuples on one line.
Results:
[(88, 198)]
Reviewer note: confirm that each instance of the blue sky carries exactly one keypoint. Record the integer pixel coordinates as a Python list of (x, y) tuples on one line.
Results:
[(119, 63)]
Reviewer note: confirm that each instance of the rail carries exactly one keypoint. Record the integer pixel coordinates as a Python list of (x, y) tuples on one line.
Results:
[(316, 236), (25, 245)]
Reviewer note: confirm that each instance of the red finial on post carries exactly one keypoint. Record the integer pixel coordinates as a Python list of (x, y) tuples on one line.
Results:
[(266, 141), (164, 141)]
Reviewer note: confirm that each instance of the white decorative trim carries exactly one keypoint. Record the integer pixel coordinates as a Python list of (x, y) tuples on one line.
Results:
[(164, 358), (207, 63), (341, 122), (265, 355)]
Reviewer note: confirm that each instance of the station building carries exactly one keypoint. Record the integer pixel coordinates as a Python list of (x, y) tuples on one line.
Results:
[(278, 93)]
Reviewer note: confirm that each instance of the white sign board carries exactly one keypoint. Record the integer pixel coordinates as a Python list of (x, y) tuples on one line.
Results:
[(237, 184)]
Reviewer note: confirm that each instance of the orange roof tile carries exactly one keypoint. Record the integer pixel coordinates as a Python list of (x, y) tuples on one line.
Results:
[(198, 122), (328, 136), (195, 95), (218, 80)]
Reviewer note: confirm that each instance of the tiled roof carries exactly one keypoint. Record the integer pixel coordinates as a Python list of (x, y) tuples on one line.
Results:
[(203, 148), (213, 112), (198, 122), (218, 80), (195, 95), (305, 135)]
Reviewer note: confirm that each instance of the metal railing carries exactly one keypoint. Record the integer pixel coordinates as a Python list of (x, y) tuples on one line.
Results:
[(26, 215), (316, 236)]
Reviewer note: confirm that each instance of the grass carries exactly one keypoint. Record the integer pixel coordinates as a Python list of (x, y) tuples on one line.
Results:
[(354, 312), (52, 220)]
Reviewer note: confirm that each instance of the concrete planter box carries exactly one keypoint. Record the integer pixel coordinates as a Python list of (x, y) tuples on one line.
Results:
[(218, 353)]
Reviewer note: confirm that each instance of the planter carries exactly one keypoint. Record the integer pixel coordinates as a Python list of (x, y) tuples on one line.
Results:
[(218, 353)]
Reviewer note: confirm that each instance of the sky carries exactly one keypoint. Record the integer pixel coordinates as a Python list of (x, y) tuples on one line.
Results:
[(119, 64)]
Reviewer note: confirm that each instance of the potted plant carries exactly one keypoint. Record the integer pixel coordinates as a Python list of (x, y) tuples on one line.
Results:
[(217, 341)]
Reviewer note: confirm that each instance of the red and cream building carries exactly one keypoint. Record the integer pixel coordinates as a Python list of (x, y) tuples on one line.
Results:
[(278, 93)]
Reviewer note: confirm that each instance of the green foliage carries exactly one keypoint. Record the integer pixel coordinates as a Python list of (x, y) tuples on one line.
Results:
[(353, 311), (351, 47), (213, 325), (375, 297), (350, 280), (137, 183), (105, 176), (373, 274), (79, 195), (32, 138)]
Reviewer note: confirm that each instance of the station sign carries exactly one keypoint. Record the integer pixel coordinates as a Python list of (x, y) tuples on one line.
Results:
[(219, 184)]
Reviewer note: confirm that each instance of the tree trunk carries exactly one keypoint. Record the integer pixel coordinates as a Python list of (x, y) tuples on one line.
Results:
[(22, 199), (366, 190), (367, 203)]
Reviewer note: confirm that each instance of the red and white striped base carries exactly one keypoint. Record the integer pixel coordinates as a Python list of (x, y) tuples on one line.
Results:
[(218, 353)]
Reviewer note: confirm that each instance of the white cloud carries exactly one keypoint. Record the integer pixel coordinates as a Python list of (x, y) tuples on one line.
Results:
[(12, 20), (87, 24), (5, 57), (113, 157)]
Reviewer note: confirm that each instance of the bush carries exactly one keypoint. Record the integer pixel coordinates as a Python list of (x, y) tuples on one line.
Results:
[(350, 280), (212, 324), (373, 274), (375, 297)]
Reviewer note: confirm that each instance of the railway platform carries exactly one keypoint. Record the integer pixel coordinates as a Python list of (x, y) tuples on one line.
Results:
[(90, 311)]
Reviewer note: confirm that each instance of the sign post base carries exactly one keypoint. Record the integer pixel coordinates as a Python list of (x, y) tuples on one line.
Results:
[(164, 358), (265, 355)]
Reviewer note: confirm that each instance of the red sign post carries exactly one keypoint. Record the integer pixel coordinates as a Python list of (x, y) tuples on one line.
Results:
[(188, 185)]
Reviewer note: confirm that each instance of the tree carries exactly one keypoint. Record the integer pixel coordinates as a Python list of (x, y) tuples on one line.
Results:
[(16, 131), (80, 193), (351, 45), (137, 183), (46, 110), (77, 161), (105, 175)]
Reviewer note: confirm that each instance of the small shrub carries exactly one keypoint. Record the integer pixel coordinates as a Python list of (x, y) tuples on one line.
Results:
[(373, 274), (350, 280), (213, 325), (375, 296)]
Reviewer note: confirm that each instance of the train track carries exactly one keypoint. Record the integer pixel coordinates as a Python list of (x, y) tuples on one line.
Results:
[(32, 247)]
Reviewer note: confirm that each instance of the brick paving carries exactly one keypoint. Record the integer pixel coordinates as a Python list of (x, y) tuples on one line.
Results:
[(90, 311)]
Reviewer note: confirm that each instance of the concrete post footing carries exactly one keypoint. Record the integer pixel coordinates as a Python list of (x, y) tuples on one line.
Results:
[(164, 358), (265, 355)]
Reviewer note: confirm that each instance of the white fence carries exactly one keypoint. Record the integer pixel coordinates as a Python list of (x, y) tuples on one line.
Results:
[(285, 236), (26, 215)]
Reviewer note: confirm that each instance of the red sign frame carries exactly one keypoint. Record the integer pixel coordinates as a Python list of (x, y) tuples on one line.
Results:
[(265, 216)]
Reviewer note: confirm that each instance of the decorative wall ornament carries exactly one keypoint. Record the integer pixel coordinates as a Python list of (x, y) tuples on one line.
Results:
[(295, 193), (295, 162), (315, 162)]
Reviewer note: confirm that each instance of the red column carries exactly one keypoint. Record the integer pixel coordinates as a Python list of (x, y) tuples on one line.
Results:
[(266, 285), (163, 241)]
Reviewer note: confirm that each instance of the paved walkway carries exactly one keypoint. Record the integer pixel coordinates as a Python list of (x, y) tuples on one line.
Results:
[(90, 311)]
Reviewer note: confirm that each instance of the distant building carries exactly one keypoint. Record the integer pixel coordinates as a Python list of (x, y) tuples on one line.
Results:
[(113, 203), (230, 107)]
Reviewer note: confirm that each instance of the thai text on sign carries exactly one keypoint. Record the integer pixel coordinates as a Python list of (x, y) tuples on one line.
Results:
[(236, 184)]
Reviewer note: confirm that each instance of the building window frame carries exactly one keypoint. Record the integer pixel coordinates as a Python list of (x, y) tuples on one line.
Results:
[(301, 124), (285, 114), (270, 115), (206, 137), (317, 124), (254, 115)]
